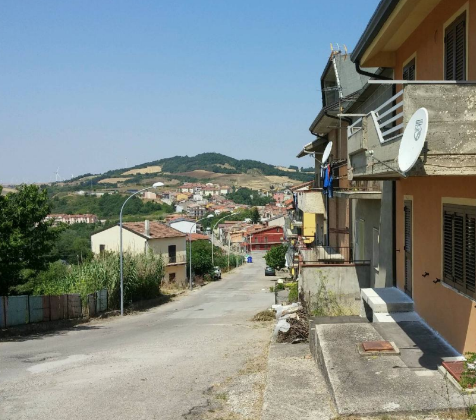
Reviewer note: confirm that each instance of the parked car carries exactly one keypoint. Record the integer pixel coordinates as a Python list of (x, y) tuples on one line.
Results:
[(217, 273), (269, 271)]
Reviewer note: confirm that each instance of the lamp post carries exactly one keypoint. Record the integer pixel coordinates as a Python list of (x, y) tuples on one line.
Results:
[(190, 239), (156, 185), (213, 228)]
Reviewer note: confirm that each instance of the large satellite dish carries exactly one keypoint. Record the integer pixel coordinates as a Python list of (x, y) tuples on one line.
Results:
[(327, 152), (413, 140)]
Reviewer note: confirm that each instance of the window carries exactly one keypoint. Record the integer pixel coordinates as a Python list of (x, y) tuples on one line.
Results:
[(409, 71), (459, 244), (375, 248), (171, 277), (455, 49), (102, 249), (172, 254)]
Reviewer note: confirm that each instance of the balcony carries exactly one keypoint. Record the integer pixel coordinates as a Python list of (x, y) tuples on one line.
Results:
[(311, 201), (450, 147), (175, 260), (328, 255)]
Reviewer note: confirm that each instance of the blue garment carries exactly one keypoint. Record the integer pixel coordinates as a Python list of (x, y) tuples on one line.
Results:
[(328, 178)]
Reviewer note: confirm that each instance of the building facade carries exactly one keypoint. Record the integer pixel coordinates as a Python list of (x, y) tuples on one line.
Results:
[(143, 237)]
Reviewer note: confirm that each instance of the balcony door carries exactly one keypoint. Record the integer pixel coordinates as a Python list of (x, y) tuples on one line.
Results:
[(172, 254)]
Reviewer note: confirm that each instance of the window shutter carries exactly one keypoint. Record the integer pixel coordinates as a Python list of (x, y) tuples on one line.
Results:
[(460, 51), (455, 50), (408, 229), (449, 55), (448, 246), (409, 71), (470, 256), (459, 248)]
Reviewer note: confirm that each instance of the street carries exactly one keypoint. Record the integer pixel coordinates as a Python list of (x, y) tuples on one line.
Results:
[(161, 364)]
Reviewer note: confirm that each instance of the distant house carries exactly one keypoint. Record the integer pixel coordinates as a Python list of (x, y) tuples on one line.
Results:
[(183, 225), (149, 195), (142, 237), (197, 237), (265, 238), (71, 219)]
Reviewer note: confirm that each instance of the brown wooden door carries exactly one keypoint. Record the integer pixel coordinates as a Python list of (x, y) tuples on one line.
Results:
[(408, 245)]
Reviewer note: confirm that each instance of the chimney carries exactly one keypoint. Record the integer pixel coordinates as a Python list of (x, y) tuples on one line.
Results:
[(146, 228)]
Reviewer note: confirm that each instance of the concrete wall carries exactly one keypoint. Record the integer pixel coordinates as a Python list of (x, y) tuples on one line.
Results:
[(161, 247), (376, 214), (180, 272), (131, 242), (345, 281), (184, 226), (450, 313), (311, 202), (279, 221)]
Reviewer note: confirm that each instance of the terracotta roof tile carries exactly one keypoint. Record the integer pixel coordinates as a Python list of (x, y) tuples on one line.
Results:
[(157, 230)]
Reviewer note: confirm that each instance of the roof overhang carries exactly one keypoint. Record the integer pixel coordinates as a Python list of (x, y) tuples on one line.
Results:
[(317, 146), (359, 195), (390, 26)]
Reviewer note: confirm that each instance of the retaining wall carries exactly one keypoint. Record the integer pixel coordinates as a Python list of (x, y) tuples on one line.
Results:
[(21, 310)]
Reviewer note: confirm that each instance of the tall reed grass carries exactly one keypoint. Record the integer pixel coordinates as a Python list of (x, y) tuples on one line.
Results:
[(142, 278)]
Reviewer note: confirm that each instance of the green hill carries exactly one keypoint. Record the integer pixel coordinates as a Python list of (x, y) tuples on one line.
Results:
[(179, 168)]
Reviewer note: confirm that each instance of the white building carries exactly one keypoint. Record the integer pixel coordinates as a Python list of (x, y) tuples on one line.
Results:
[(142, 237)]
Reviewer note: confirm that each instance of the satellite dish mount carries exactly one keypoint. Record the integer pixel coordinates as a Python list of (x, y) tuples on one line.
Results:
[(412, 143)]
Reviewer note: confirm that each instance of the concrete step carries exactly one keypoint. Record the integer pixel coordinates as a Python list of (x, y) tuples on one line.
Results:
[(386, 300), (396, 317)]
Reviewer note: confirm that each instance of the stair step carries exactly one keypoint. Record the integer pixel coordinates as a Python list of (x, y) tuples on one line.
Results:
[(396, 317)]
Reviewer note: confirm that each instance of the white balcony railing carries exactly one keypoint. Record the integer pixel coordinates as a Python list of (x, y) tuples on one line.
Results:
[(384, 118), (354, 128)]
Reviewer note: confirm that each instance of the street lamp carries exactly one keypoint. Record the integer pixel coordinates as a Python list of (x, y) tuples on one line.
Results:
[(190, 239), (156, 185), (213, 228)]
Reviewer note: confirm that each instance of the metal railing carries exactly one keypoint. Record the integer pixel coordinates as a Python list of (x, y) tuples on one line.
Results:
[(331, 255), (384, 119), (354, 128)]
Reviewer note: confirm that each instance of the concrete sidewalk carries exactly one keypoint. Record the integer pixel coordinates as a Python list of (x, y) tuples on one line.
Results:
[(295, 387), (371, 385)]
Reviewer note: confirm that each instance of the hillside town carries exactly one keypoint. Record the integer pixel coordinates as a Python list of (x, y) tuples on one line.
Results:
[(208, 287)]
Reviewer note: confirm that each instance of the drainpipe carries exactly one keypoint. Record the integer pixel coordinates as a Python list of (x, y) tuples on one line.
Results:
[(359, 70)]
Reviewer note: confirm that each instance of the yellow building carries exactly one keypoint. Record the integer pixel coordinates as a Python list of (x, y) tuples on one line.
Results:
[(140, 237)]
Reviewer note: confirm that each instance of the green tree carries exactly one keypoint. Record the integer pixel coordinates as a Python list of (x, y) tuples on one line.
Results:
[(201, 257), (255, 217), (276, 257), (26, 238)]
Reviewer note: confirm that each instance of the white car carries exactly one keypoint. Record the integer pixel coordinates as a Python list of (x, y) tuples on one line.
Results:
[(217, 273)]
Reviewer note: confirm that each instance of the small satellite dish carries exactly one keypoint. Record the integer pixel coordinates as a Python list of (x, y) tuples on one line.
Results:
[(327, 152), (413, 140)]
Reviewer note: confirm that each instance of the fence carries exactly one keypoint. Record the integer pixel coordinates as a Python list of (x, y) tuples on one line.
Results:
[(21, 310), (331, 255)]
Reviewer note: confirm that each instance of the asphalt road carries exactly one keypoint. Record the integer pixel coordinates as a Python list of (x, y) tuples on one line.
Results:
[(158, 364)]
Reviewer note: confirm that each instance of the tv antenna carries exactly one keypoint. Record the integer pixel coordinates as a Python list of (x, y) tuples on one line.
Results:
[(412, 143)]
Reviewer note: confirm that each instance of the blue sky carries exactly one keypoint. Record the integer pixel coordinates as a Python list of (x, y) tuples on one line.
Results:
[(85, 85)]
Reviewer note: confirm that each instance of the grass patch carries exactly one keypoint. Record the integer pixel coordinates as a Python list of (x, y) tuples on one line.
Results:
[(267, 315), (293, 292)]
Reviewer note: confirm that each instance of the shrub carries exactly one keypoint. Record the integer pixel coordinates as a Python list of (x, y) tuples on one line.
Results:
[(293, 293), (142, 277), (276, 257)]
